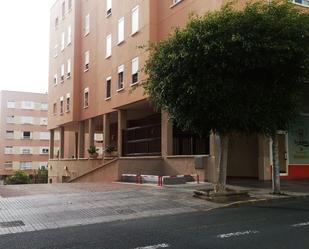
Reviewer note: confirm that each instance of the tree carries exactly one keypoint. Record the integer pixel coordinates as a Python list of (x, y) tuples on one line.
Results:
[(233, 71), (18, 177)]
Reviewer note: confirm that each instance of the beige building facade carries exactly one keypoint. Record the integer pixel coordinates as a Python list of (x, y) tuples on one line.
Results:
[(24, 138), (97, 53)]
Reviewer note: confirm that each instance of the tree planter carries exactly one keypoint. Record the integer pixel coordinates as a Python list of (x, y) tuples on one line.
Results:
[(229, 195)]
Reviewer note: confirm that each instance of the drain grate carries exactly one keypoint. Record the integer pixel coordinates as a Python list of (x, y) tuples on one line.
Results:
[(125, 211), (15, 223)]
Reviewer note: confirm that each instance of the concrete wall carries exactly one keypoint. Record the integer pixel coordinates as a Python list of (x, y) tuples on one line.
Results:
[(104, 173), (141, 166), (70, 168), (184, 165), (113, 170)]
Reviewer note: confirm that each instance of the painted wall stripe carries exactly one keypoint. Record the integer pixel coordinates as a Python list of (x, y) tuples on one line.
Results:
[(236, 234), (164, 245), (301, 224)]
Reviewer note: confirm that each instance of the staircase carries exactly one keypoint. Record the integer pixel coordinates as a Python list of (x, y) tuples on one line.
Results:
[(107, 172)]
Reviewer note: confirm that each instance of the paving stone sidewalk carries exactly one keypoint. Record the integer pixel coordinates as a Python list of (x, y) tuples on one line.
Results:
[(27, 208), (38, 207)]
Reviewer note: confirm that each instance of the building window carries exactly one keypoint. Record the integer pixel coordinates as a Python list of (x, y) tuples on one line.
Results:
[(120, 77), (28, 105), (27, 120), (44, 106), (63, 9), (134, 70), (87, 61), (26, 151), (86, 97), (108, 7), (8, 165), (62, 41), (69, 5), (61, 105), (176, 1), (120, 30), (9, 134), (25, 165), (10, 119), (69, 35), (56, 51), (44, 150), (68, 102), (10, 104), (135, 20), (8, 150), (302, 2), (43, 121), (62, 73), (56, 22), (55, 108), (108, 45), (26, 135), (55, 79), (44, 136), (69, 69), (108, 88), (87, 25), (43, 165)]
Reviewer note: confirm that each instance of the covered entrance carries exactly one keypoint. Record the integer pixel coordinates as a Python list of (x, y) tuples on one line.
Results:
[(143, 137), (187, 143), (141, 130)]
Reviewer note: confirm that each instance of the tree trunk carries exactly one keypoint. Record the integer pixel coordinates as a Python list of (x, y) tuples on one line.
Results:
[(223, 155), (276, 167)]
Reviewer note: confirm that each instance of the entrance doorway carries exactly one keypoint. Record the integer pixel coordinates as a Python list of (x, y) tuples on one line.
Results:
[(282, 151)]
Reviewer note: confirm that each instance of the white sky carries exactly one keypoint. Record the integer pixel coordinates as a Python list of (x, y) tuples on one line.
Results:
[(24, 43)]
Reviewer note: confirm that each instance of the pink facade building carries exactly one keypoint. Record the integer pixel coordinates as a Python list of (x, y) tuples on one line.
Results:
[(97, 53), (24, 138)]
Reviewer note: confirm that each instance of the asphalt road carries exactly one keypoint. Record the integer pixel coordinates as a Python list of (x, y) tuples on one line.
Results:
[(283, 224)]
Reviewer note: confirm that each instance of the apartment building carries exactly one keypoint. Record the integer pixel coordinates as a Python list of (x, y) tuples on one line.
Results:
[(24, 138), (97, 53)]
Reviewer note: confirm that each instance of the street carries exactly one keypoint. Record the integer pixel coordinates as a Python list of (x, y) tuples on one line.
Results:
[(281, 224)]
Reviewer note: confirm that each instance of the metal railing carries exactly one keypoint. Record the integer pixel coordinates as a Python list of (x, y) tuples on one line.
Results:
[(142, 140)]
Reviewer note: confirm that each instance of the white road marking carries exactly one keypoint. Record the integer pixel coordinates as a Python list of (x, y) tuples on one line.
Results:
[(301, 224), (164, 245), (236, 234)]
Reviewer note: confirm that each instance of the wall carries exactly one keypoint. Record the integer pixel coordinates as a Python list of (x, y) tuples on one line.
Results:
[(243, 157), (113, 170), (184, 165), (74, 168)]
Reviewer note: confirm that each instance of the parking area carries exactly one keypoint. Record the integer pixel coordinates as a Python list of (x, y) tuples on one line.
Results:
[(37, 207)]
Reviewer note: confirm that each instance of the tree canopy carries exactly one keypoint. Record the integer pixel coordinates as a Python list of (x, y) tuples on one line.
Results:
[(233, 70)]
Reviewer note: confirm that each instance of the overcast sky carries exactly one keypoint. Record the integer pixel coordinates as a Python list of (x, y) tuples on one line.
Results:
[(24, 40)]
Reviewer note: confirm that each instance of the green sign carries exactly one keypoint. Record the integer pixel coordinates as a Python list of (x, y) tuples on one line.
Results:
[(299, 141)]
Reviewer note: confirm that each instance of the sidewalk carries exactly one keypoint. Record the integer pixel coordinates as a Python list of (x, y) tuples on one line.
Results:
[(26, 208), (295, 186), (261, 190)]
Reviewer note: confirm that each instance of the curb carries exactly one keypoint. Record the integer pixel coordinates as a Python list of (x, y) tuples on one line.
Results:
[(263, 200)]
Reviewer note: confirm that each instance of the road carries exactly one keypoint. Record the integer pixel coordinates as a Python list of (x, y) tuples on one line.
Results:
[(282, 224)]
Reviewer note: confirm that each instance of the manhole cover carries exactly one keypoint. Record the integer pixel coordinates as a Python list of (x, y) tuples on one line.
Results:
[(125, 211), (16, 223)]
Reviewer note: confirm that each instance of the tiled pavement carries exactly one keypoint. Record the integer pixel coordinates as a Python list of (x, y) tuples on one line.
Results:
[(38, 207)]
